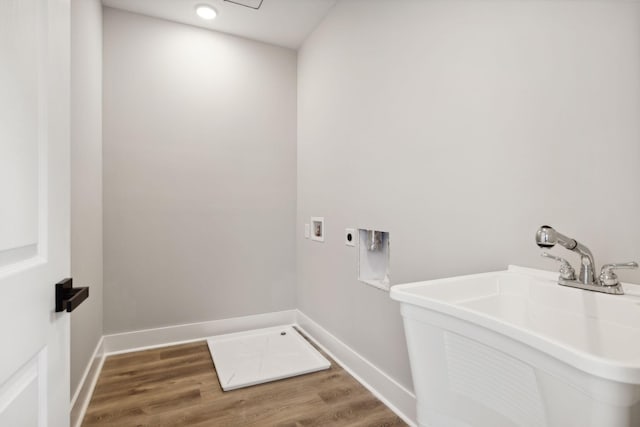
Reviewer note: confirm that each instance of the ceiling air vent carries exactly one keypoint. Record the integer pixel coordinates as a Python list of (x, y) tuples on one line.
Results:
[(252, 4)]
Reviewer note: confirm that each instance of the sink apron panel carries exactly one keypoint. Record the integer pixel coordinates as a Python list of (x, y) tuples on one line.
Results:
[(466, 375)]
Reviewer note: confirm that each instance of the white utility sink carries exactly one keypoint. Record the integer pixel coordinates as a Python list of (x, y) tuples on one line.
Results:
[(513, 348)]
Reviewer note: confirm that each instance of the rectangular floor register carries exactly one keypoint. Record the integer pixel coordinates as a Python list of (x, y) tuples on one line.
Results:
[(254, 357)]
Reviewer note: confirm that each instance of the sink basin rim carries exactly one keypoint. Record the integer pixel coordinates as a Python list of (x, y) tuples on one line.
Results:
[(626, 371)]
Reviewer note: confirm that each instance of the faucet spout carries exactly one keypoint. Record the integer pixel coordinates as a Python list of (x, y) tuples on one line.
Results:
[(547, 237), (587, 269)]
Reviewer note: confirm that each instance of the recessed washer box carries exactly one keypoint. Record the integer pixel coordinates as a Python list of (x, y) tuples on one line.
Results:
[(254, 357), (373, 258)]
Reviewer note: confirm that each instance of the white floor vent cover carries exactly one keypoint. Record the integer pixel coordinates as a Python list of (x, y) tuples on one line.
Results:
[(262, 355)]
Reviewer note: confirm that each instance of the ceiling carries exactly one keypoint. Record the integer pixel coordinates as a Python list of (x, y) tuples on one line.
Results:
[(281, 22)]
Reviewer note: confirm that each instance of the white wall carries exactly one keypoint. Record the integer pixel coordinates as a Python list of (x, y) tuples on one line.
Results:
[(461, 127), (86, 180), (199, 174)]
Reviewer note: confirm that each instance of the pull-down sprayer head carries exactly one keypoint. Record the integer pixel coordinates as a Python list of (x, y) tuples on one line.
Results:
[(547, 237)]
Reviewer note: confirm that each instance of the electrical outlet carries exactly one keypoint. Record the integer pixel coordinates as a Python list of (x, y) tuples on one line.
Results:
[(350, 237)]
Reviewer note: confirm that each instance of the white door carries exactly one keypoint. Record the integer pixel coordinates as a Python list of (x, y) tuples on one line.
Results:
[(34, 211)]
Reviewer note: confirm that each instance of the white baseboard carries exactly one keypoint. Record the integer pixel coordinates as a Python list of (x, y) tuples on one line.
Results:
[(390, 392), (180, 334), (84, 391)]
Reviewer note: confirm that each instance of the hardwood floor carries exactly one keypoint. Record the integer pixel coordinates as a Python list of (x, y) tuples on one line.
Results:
[(178, 386)]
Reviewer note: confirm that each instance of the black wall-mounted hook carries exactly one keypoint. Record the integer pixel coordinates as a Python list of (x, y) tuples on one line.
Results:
[(68, 297)]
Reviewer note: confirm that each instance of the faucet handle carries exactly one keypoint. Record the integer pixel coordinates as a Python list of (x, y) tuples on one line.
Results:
[(566, 270), (608, 277)]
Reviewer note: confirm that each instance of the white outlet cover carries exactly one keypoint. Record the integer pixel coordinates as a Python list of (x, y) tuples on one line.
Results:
[(349, 232), (307, 231)]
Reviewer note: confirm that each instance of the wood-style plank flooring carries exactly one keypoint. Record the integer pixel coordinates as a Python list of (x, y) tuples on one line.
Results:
[(178, 386)]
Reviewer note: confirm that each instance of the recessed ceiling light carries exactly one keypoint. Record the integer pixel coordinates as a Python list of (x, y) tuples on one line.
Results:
[(205, 11)]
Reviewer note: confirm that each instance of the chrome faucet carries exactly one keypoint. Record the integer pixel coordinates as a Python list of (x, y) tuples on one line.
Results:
[(547, 237), (607, 281)]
